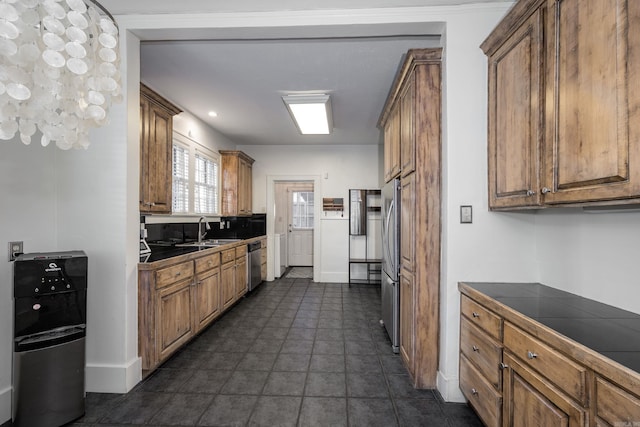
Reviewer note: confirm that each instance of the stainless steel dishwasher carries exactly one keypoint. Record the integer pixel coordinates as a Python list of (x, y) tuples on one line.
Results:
[(254, 252)]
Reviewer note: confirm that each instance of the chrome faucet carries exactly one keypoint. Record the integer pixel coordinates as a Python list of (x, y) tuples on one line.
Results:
[(206, 228)]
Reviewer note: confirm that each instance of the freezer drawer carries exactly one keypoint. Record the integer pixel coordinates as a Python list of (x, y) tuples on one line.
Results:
[(391, 310)]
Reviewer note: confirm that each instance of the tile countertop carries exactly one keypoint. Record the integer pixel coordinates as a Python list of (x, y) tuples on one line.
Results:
[(609, 331), (160, 255)]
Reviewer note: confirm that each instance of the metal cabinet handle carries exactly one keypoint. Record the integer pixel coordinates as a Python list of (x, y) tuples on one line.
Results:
[(530, 192), (178, 273), (475, 348), (474, 391), (503, 366), (476, 315), (546, 190), (531, 355)]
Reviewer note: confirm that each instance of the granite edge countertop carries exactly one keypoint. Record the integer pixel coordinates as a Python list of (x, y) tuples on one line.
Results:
[(600, 329), (174, 255)]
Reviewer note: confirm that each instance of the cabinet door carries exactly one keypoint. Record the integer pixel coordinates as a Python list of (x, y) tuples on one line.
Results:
[(241, 277), (156, 176), (174, 320), (392, 145), (228, 284), (530, 400), (592, 147), (407, 318), (515, 132), (407, 222), (207, 298), (407, 127), (244, 187)]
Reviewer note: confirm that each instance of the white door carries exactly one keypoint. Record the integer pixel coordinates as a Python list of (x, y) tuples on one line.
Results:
[(300, 230)]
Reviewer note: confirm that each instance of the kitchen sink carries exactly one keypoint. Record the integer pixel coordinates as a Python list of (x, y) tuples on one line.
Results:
[(209, 243)]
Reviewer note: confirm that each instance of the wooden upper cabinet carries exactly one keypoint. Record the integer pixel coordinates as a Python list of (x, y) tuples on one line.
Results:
[(592, 147), (407, 126), (564, 108), (237, 182), (156, 136), (515, 90), (392, 145)]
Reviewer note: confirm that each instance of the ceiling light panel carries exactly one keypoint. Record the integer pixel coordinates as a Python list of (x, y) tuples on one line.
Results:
[(311, 113)]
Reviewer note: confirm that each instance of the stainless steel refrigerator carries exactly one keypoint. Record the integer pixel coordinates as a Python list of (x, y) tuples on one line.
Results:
[(391, 261)]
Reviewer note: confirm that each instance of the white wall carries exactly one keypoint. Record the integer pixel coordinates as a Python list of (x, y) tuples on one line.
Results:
[(189, 125), (346, 166), (593, 254), (27, 213)]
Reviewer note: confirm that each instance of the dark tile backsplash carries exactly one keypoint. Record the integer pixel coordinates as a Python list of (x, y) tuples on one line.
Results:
[(238, 228)]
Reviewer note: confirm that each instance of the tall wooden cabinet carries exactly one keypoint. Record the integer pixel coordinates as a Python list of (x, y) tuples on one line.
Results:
[(156, 136), (564, 110), (237, 182), (411, 121)]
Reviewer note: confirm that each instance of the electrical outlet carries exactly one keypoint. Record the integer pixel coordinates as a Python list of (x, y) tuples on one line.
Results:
[(15, 249)]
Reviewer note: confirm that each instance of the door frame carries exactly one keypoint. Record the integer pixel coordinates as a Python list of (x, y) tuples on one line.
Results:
[(317, 229)]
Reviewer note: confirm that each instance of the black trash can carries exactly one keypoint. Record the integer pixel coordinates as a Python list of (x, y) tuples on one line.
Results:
[(50, 305)]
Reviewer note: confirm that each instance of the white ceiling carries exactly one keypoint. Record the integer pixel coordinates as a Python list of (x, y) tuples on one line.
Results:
[(242, 74)]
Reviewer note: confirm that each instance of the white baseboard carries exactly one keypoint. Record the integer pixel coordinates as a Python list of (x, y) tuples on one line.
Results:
[(333, 277), (113, 378), (449, 388), (5, 405)]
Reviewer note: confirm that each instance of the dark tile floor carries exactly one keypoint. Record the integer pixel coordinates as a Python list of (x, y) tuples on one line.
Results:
[(292, 353)]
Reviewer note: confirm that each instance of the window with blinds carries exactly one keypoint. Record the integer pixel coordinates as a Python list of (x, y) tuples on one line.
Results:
[(302, 209), (205, 185), (180, 202)]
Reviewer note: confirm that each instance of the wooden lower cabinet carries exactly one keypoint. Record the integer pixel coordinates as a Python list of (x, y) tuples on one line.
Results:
[(407, 299), (242, 283), (207, 292), (174, 317), (176, 301), (228, 284), (531, 400), (263, 259), (516, 373)]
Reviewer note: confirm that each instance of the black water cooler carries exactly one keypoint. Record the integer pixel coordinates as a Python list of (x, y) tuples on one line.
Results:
[(50, 306)]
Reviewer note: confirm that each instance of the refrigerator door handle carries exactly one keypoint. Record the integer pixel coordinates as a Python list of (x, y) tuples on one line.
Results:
[(386, 237)]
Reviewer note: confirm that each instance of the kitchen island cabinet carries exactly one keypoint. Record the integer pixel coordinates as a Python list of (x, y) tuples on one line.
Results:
[(156, 140), (237, 183), (564, 110), (412, 115), (534, 355)]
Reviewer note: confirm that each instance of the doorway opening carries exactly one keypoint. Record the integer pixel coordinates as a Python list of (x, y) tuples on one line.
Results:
[(294, 225)]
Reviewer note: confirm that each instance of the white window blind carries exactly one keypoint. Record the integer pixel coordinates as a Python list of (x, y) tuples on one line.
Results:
[(303, 209), (205, 185), (180, 202)]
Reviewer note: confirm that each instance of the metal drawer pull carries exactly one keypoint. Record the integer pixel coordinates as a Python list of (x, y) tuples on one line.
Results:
[(474, 348), (178, 273), (531, 355), (503, 366), (474, 314), (530, 193), (474, 391)]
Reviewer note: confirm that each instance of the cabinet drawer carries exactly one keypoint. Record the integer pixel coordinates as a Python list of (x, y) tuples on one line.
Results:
[(241, 251), (566, 374), (207, 263), (228, 255), (263, 243), (480, 316), (616, 406), (481, 395), (482, 351), (169, 275)]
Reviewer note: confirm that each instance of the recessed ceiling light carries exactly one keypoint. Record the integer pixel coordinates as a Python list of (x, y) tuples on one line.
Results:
[(213, 114), (311, 113)]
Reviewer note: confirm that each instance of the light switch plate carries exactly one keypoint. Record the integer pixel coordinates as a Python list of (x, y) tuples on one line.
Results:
[(466, 214)]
